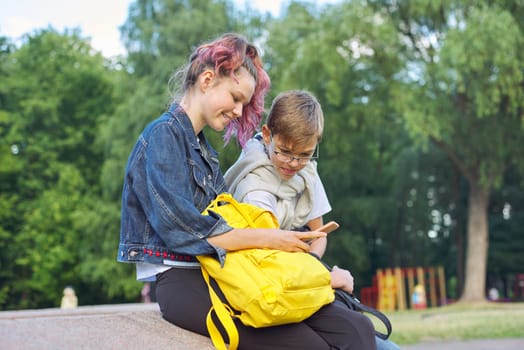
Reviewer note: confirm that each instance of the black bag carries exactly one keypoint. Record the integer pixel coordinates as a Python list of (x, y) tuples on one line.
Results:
[(354, 304)]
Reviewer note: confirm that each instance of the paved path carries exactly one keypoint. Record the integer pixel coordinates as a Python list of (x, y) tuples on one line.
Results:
[(478, 344)]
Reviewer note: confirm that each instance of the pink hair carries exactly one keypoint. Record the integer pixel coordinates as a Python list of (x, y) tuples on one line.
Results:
[(227, 54)]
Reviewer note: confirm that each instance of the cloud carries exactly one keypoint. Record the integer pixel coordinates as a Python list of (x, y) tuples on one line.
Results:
[(16, 26), (97, 19)]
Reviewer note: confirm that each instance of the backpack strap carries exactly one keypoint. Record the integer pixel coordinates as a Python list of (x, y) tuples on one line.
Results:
[(354, 304), (223, 313)]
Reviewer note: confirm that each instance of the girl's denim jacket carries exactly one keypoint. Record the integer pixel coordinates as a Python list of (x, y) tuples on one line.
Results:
[(170, 178)]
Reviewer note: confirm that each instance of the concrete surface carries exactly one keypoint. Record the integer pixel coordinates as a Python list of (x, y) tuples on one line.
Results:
[(126, 326), (140, 326)]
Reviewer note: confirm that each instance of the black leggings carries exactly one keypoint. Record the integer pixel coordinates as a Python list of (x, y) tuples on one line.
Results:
[(183, 297)]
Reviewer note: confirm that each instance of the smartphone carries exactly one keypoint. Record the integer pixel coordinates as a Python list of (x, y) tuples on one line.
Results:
[(329, 227)]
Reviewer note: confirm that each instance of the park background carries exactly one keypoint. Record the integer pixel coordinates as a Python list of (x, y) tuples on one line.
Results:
[(421, 157)]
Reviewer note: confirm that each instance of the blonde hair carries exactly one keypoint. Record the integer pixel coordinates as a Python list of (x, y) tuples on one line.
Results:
[(296, 116)]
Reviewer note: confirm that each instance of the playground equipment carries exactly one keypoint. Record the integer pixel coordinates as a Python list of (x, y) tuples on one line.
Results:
[(402, 288)]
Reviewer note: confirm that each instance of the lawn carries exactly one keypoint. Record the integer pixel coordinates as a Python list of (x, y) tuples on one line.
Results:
[(457, 322)]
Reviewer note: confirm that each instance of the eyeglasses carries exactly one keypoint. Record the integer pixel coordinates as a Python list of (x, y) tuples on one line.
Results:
[(288, 158)]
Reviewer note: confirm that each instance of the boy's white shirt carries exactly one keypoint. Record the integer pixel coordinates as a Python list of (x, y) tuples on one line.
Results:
[(253, 179)]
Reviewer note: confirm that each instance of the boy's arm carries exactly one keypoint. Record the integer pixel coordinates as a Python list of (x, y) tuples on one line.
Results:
[(315, 223)]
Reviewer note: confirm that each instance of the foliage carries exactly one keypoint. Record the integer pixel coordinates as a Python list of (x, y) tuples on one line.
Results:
[(58, 90), (422, 100), (102, 279), (466, 97)]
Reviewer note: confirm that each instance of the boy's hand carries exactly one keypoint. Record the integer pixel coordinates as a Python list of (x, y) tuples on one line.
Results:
[(318, 246), (341, 278)]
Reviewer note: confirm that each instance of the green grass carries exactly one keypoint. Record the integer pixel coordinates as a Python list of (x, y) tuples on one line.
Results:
[(457, 322)]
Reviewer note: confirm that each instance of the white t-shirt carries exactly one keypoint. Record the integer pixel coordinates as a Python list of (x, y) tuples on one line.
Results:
[(268, 201), (146, 272)]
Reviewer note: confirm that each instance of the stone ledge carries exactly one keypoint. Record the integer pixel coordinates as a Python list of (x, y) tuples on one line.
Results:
[(122, 326)]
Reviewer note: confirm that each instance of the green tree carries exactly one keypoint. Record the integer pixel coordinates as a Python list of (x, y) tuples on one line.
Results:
[(7, 169), (463, 90), (54, 91)]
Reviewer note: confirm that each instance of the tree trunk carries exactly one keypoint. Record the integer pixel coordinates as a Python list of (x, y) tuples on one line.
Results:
[(459, 241), (458, 230), (477, 245)]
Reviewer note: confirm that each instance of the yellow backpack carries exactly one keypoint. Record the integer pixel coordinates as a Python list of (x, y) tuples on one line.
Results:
[(263, 287)]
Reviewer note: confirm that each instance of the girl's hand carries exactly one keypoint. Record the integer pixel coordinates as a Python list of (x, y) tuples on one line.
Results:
[(341, 278), (293, 241)]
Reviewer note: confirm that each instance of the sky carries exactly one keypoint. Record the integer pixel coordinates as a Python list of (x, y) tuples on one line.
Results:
[(97, 19)]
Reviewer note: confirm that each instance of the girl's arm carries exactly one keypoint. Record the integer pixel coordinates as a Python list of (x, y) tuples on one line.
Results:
[(291, 241)]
